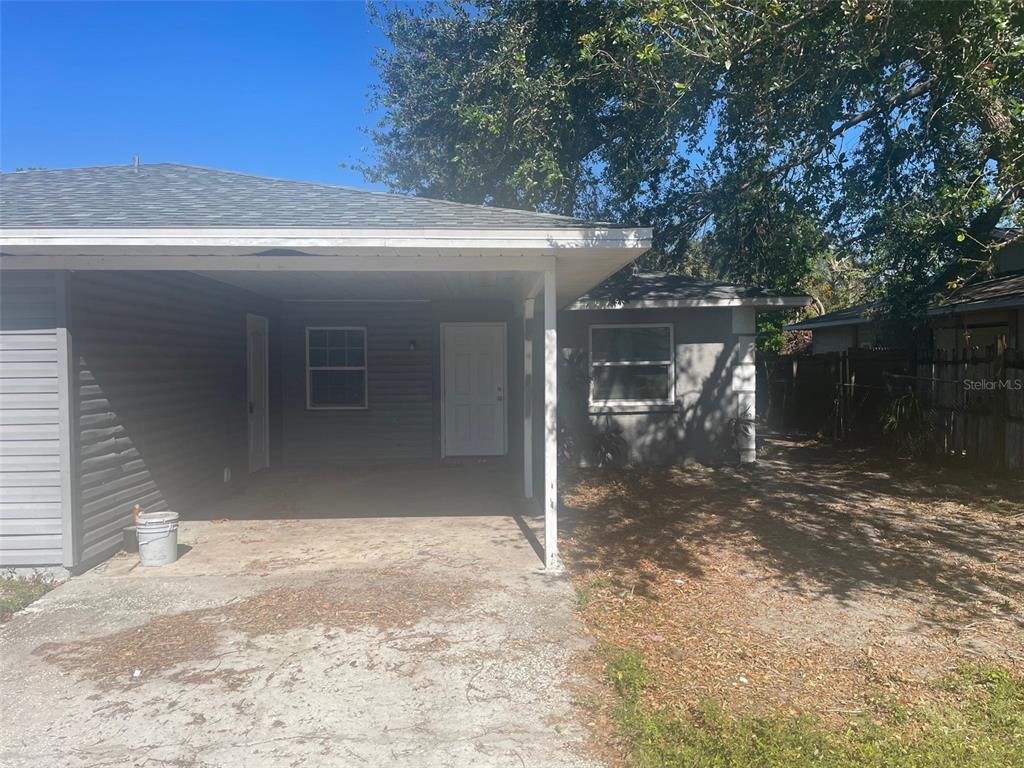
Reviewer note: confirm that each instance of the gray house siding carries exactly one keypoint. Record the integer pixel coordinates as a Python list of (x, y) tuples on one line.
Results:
[(397, 425), (161, 395), (697, 426), (34, 449), (402, 422)]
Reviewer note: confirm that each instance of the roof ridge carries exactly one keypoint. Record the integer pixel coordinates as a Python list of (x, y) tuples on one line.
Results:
[(71, 168)]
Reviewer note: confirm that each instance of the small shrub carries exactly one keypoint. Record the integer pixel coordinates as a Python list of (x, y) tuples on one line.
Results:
[(909, 425)]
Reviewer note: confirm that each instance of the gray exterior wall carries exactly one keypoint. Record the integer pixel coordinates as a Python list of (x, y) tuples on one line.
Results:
[(397, 425), (402, 422), (836, 339), (697, 426), (34, 446), (160, 359), (154, 393)]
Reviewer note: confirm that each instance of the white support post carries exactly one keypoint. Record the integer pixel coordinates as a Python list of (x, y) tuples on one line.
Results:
[(744, 381), (551, 560), (528, 398)]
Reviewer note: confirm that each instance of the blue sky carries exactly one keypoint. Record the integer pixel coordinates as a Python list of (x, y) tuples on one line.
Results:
[(277, 89)]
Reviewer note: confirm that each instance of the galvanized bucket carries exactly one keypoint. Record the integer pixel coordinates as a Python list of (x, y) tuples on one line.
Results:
[(158, 537)]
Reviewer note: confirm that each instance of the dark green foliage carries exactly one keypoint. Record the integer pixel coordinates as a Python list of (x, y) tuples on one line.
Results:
[(779, 142)]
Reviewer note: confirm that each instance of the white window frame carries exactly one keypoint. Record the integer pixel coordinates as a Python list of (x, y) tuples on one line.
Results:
[(604, 405), (365, 367)]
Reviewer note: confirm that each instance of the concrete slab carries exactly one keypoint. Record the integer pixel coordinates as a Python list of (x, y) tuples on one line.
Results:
[(319, 635)]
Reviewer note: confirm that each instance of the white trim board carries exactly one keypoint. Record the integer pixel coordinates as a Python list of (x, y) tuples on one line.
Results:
[(305, 237), (107, 259)]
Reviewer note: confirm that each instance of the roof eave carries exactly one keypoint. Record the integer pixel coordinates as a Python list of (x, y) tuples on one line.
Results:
[(554, 238), (977, 306), (767, 302), (810, 325)]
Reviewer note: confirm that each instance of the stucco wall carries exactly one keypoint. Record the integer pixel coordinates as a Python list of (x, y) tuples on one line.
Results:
[(697, 426)]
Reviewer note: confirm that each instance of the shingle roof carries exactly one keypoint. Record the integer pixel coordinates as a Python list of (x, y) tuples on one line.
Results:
[(1004, 290), (172, 195), (861, 313), (624, 288)]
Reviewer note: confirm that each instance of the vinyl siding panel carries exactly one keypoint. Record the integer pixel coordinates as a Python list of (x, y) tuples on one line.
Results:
[(161, 396), (403, 420), (31, 444), (398, 424)]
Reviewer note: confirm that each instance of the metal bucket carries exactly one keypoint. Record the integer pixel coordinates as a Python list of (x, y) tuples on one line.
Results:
[(158, 537)]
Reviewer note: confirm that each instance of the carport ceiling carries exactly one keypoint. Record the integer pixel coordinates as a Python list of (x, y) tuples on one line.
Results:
[(336, 286)]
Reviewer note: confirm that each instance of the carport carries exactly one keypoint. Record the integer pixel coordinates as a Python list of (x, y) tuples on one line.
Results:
[(183, 330)]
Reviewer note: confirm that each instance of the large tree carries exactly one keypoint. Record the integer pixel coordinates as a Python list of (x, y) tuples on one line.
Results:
[(762, 138)]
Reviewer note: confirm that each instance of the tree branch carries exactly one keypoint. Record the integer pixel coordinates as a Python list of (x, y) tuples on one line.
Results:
[(908, 95)]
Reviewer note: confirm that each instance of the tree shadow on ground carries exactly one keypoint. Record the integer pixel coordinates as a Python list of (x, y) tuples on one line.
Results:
[(824, 521)]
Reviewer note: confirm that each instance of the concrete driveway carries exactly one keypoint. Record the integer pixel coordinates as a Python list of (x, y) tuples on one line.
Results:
[(329, 640)]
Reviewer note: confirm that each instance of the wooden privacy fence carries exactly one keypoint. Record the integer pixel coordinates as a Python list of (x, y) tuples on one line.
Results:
[(976, 403), (949, 403)]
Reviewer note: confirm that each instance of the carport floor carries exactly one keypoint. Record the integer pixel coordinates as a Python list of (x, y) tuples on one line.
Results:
[(320, 636)]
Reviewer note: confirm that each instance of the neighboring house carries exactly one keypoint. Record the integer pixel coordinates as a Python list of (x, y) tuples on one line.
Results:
[(988, 313), (981, 315), (840, 330), (165, 330)]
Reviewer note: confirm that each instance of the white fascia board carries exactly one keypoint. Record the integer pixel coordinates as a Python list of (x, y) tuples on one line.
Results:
[(215, 260), (765, 302), (333, 239)]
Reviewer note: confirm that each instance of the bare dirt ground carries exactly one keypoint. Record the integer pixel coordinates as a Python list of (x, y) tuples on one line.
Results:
[(823, 580)]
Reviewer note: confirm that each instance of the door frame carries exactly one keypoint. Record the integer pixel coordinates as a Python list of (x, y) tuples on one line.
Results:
[(504, 387), (250, 319)]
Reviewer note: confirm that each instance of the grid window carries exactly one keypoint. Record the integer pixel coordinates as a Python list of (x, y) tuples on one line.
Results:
[(336, 367), (631, 365)]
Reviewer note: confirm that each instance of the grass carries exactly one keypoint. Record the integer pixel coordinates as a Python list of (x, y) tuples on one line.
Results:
[(16, 593), (984, 728), (585, 593)]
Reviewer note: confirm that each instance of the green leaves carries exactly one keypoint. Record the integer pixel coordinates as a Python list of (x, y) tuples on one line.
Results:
[(778, 134)]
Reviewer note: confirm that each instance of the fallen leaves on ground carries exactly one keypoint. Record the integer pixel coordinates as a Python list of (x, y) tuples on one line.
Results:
[(821, 581)]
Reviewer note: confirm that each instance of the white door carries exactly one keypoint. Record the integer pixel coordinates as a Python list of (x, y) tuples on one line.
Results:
[(474, 389), (257, 386)]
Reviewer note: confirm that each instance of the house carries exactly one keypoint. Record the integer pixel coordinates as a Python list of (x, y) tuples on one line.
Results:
[(985, 314), (166, 330), (982, 314)]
